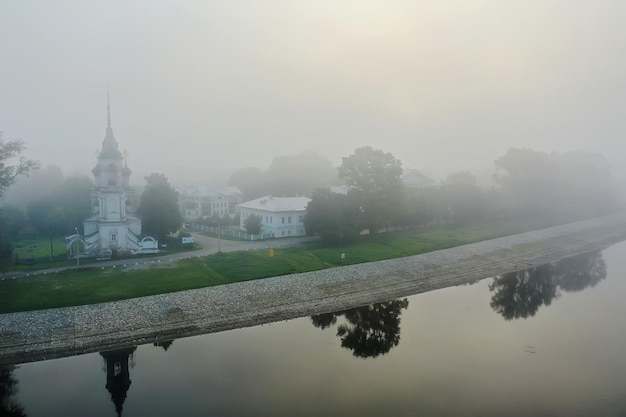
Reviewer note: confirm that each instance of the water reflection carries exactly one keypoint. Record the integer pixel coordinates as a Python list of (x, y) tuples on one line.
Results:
[(8, 389), (165, 345), (118, 375), (367, 331), (520, 294)]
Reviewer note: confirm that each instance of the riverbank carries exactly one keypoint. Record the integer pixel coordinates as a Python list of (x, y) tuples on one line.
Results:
[(51, 333)]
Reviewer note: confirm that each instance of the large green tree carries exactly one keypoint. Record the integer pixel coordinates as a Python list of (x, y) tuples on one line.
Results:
[(158, 207), (336, 218), (373, 178)]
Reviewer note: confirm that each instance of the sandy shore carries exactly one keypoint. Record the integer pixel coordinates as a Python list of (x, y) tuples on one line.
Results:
[(45, 334)]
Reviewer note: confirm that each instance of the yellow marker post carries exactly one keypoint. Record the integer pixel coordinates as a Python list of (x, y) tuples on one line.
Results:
[(271, 253)]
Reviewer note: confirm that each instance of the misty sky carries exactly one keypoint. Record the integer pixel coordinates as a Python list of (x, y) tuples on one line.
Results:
[(201, 87)]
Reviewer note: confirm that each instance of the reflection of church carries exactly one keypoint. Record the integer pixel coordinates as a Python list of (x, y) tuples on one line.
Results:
[(111, 229), (118, 375)]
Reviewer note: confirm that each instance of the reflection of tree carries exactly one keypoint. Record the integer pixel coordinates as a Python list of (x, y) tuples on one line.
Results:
[(580, 272), (8, 388), (520, 294), (368, 331), (165, 345)]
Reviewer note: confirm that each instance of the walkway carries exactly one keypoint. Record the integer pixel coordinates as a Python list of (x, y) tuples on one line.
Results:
[(61, 332)]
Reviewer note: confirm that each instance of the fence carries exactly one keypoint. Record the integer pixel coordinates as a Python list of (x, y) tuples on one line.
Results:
[(234, 234)]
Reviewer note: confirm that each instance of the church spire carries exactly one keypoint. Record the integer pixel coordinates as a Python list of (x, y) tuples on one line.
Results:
[(109, 144)]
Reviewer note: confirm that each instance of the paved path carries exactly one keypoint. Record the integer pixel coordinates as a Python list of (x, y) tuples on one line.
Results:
[(45, 334)]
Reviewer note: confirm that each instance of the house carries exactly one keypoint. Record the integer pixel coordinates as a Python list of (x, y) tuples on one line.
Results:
[(280, 216), (202, 202)]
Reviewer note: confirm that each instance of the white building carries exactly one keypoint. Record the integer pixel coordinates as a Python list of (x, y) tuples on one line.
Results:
[(280, 216), (202, 202), (111, 229)]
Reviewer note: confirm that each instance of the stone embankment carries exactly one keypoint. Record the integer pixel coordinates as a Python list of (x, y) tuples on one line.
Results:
[(38, 335)]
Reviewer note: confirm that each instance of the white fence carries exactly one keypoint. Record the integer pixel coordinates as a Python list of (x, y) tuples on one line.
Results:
[(234, 234)]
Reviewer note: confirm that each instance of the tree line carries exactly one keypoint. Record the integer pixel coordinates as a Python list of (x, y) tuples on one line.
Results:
[(527, 185)]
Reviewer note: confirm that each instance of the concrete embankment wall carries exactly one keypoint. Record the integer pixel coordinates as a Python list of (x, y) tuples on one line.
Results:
[(61, 332)]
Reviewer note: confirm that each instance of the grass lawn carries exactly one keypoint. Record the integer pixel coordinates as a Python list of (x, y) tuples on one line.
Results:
[(94, 285)]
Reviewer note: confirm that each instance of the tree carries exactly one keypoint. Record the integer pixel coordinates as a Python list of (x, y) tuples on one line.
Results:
[(74, 196), (13, 163), (13, 220), (9, 407), (158, 207), (520, 294), (463, 199), (39, 183), (336, 218), (253, 224), (49, 219), (291, 175), (63, 211), (368, 331), (374, 180), (570, 185)]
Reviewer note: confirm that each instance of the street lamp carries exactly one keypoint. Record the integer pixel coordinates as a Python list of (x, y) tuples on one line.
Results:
[(77, 248)]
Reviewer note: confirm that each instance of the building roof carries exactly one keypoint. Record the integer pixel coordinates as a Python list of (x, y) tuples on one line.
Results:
[(277, 204), (414, 178)]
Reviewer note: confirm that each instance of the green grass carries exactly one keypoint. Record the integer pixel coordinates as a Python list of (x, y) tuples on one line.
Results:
[(94, 285), (38, 248)]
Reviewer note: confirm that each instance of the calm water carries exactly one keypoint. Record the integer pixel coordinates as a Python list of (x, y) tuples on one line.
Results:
[(544, 342)]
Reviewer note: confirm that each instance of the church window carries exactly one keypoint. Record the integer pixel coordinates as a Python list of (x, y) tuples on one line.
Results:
[(113, 237)]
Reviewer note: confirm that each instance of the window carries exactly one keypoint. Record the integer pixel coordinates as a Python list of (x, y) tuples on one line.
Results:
[(289, 218), (300, 219), (282, 220), (113, 237)]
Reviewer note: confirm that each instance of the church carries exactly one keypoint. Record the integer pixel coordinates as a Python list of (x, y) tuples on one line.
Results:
[(112, 230)]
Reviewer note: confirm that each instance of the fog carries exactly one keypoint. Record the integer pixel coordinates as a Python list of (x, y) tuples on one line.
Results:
[(200, 89)]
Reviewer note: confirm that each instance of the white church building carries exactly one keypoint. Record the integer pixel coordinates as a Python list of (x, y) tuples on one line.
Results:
[(280, 216), (112, 229)]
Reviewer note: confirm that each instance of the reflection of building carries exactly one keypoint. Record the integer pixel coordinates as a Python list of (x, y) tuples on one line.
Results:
[(280, 216), (118, 375), (201, 202), (111, 228)]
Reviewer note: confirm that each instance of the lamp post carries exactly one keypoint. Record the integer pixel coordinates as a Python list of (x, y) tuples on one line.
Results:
[(77, 248)]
